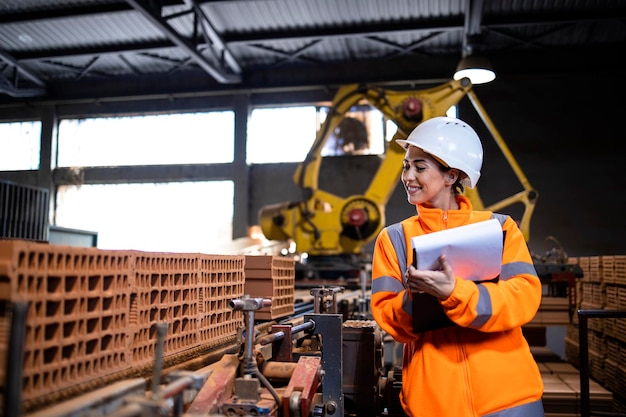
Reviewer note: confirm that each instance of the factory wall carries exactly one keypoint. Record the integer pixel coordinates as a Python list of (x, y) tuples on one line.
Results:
[(566, 133)]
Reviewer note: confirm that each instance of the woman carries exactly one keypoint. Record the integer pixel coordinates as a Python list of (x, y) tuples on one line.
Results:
[(476, 362)]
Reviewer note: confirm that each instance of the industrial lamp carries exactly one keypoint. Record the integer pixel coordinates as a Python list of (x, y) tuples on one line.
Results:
[(475, 67)]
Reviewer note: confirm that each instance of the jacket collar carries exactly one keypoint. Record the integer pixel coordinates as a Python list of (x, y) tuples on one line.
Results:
[(434, 219)]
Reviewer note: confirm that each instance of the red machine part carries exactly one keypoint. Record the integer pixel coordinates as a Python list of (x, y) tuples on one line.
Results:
[(357, 217), (412, 107), (218, 387), (305, 380)]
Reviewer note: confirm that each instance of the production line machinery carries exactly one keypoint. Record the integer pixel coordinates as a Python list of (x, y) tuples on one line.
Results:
[(328, 361)]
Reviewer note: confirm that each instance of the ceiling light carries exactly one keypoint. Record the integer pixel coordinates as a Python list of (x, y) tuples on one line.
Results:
[(475, 67)]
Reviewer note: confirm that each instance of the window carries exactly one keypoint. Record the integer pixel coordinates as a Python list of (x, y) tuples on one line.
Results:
[(286, 134), (280, 134), (158, 217), (20, 146), (189, 138), (187, 217), (360, 132)]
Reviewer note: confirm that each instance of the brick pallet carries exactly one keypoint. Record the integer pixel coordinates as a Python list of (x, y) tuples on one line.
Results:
[(562, 391), (603, 287), (271, 277), (92, 313)]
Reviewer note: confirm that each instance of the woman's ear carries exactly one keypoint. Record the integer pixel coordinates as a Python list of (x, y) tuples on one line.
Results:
[(452, 175)]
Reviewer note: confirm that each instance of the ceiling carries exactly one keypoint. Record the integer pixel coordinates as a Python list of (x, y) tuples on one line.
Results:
[(67, 49)]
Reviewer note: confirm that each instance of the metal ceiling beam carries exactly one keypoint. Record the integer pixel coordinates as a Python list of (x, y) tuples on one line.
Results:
[(291, 86), (290, 56), (219, 74), (26, 73), (218, 46), (405, 49), (8, 88), (11, 88), (68, 52), (348, 31), (472, 29)]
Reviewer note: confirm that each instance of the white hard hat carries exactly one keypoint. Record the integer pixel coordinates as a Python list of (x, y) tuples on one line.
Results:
[(452, 141)]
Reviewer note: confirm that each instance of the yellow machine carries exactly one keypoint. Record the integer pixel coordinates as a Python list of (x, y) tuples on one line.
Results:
[(333, 230)]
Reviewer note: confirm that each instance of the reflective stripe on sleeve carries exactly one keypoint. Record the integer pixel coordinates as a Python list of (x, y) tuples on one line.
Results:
[(500, 217), (389, 284), (516, 268), (407, 304), (386, 284), (534, 409), (396, 236), (483, 308)]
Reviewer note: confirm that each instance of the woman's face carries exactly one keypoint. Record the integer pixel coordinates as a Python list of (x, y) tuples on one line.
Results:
[(424, 181)]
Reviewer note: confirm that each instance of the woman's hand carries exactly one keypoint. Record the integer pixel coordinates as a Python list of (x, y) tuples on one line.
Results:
[(438, 283)]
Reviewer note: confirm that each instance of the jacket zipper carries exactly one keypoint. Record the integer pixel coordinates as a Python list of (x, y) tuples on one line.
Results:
[(462, 351), (464, 368)]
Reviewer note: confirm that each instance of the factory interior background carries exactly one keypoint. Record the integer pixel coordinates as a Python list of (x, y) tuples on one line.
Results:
[(159, 141)]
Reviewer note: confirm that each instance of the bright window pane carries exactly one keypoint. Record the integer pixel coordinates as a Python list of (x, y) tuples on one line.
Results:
[(164, 217), (190, 138), (20, 146), (280, 135)]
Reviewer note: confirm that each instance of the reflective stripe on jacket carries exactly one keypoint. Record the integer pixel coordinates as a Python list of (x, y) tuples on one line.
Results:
[(481, 365)]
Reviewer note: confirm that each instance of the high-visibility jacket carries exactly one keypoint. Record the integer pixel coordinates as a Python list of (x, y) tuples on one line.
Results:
[(481, 365)]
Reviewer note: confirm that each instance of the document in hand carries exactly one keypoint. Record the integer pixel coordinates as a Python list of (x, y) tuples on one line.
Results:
[(474, 251)]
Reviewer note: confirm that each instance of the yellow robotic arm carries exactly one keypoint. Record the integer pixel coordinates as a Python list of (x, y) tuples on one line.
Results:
[(324, 224)]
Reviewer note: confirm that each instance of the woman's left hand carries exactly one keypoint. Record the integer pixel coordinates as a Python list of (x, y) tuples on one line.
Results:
[(438, 283)]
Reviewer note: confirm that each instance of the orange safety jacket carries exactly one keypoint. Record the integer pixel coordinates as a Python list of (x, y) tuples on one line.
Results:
[(482, 364)]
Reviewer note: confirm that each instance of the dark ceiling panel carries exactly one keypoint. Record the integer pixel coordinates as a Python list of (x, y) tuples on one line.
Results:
[(56, 50)]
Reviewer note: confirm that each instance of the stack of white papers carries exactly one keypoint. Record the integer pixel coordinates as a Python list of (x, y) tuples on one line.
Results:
[(474, 251)]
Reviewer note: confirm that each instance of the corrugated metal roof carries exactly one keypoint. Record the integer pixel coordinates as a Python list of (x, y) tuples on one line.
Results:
[(60, 45)]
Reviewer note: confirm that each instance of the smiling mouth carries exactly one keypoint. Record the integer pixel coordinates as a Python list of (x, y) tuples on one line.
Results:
[(412, 189)]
